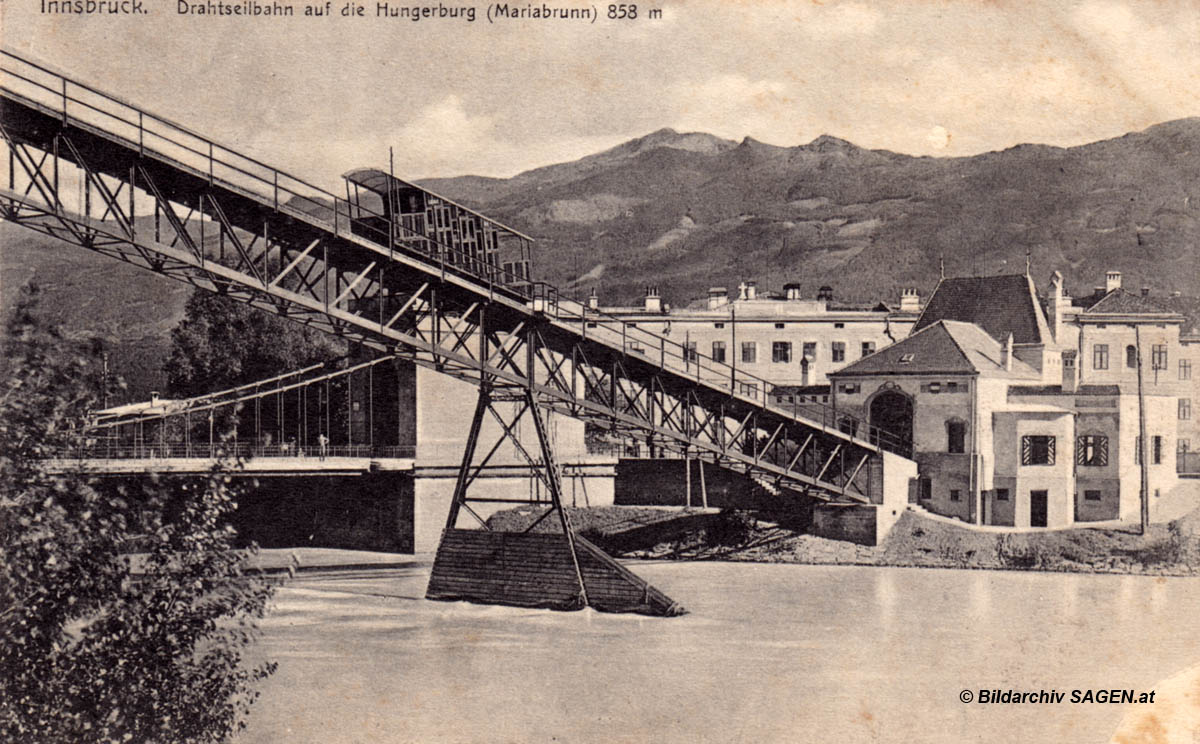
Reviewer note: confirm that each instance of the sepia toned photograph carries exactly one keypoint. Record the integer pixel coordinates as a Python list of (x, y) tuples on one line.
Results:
[(694, 371)]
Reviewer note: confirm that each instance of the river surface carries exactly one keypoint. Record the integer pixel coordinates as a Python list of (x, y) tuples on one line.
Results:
[(768, 653)]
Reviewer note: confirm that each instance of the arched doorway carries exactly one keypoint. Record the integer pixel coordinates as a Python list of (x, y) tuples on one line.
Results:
[(892, 411)]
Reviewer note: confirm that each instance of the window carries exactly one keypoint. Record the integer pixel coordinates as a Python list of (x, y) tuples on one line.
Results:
[(749, 352), (926, 492), (1155, 450), (1158, 357), (718, 325), (1037, 449), (810, 349), (591, 324), (1092, 496), (839, 351), (1185, 369), (1185, 409), (1001, 494), (631, 324), (779, 326), (951, 387), (934, 387), (868, 347), (956, 437), (1100, 356), (718, 351), (839, 325), (1184, 445), (1131, 356), (955, 494), (1091, 450), (748, 388), (689, 351), (850, 387), (781, 352)]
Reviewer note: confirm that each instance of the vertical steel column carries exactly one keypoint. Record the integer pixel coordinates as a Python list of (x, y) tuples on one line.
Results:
[(554, 485), (482, 403)]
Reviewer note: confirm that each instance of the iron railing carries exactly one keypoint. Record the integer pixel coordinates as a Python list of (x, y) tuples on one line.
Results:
[(81, 104), (232, 450)]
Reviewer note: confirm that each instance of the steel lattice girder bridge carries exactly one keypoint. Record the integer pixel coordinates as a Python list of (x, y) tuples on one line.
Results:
[(95, 171)]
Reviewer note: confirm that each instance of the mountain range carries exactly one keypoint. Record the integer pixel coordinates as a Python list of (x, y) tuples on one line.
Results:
[(689, 211), (686, 211)]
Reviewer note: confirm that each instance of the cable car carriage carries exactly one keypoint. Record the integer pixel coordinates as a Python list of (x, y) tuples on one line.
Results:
[(436, 229)]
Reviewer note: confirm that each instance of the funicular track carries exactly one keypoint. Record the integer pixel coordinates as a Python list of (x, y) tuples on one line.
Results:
[(103, 174)]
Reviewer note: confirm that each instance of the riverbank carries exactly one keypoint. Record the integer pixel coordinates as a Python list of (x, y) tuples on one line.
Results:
[(1171, 549)]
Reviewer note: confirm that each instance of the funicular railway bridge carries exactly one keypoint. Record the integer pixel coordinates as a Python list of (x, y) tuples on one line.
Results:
[(405, 272)]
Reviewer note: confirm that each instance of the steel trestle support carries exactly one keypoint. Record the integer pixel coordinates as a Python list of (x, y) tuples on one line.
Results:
[(239, 228)]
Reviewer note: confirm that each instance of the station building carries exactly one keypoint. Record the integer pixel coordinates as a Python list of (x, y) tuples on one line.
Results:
[(1030, 416)]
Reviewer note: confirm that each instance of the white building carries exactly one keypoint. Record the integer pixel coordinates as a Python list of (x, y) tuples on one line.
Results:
[(787, 340)]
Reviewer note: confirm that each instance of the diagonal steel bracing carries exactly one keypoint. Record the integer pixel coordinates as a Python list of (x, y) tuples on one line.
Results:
[(296, 252)]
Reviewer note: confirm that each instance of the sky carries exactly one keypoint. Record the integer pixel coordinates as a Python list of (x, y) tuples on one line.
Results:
[(321, 95)]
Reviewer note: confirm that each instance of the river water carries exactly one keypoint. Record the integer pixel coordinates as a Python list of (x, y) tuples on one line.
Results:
[(769, 653)]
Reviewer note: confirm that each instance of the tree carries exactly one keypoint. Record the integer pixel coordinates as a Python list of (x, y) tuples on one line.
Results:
[(124, 616), (222, 343)]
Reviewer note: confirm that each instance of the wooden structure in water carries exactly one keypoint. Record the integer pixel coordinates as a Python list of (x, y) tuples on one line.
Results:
[(538, 569), (551, 569)]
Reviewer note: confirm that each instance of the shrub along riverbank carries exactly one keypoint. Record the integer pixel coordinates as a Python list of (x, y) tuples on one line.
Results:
[(729, 535)]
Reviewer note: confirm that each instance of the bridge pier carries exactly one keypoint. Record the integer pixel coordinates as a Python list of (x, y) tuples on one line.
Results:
[(549, 567)]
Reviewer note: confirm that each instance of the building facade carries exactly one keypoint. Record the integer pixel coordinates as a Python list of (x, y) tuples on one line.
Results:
[(787, 340), (1029, 417)]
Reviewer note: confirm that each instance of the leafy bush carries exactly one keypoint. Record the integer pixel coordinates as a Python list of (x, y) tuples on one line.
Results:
[(98, 644)]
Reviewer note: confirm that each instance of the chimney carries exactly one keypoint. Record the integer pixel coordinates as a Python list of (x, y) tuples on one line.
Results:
[(717, 297), (1070, 373), (741, 290), (154, 398), (653, 300), (751, 290), (910, 301), (1057, 304), (593, 300), (1145, 291), (1006, 353), (825, 293), (1112, 280), (792, 291)]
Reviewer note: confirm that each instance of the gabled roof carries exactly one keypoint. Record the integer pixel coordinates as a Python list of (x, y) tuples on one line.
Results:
[(999, 305), (946, 347), (1120, 302)]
